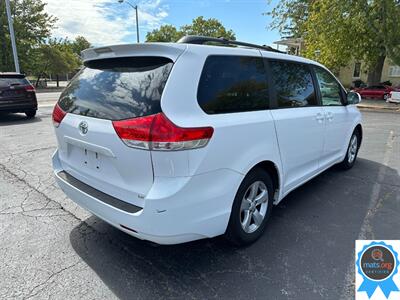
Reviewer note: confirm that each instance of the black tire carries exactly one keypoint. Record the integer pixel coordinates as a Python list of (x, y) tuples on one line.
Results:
[(235, 232), (348, 163), (30, 113)]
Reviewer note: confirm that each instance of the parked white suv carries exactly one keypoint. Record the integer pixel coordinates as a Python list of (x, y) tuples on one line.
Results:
[(182, 141)]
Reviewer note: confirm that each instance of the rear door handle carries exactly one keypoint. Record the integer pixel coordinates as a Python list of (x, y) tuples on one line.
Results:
[(329, 116)]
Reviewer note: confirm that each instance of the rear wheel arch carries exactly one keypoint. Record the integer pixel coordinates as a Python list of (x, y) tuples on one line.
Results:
[(272, 170), (359, 129), (246, 211)]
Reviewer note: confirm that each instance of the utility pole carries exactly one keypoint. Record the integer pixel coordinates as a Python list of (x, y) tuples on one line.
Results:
[(137, 24), (12, 36), (135, 7)]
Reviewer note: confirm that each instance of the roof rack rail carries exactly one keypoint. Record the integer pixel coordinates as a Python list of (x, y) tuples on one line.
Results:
[(200, 40)]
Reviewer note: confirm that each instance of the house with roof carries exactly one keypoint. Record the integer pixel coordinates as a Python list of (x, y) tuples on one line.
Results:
[(356, 70)]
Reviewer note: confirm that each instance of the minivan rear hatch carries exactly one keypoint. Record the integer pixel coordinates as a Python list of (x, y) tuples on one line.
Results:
[(107, 90)]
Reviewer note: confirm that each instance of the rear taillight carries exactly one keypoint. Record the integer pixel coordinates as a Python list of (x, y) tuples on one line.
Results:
[(58, 115), (157, 132), (29, 88)]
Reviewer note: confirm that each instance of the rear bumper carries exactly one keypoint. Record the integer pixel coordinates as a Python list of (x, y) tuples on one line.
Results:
[(176, 210), (18, 106), (394, 99)]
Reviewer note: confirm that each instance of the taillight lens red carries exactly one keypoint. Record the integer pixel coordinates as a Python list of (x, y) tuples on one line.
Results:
[(29, 88), (157, 132), (58, 115), (135, 132)]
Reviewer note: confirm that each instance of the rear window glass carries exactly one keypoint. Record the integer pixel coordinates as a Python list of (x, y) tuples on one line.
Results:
[(233, 84), (117, 88), (9, 81)]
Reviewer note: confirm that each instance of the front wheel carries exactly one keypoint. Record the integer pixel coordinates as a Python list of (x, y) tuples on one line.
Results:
[(352, 151), (251, 208)]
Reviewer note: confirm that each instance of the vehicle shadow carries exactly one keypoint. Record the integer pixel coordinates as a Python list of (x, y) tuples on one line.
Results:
[(305, 252), (16, 119)]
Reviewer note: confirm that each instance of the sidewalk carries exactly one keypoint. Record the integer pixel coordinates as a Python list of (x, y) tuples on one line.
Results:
[(49, 90), (52, 87), (47, 99), (378, 105)]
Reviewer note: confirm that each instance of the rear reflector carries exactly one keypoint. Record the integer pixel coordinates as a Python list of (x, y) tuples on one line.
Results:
[(58, 115), (157, 132)]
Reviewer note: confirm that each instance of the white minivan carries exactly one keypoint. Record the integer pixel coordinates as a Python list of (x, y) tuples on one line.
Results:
[(173, 142)]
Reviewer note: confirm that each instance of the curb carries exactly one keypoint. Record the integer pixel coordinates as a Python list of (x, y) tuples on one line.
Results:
[(379, 108)]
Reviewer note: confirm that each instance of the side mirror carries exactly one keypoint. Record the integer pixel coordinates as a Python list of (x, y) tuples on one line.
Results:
[(353, 98)]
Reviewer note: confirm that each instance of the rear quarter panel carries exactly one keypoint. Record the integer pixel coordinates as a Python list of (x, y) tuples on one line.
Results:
[(240, 140)]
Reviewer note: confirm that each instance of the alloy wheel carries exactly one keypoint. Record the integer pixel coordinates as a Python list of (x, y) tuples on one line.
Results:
[(254, 207), (352, 152)]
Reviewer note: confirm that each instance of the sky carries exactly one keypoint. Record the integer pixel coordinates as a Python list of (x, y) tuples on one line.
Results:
[(105, 22)]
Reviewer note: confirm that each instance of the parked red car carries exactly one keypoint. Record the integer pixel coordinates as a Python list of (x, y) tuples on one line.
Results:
[(375, 91)]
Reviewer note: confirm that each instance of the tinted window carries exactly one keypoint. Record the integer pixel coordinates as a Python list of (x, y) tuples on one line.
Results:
[(293, 84), (9, 81), (233, 84), (331, 92), (118, 88)]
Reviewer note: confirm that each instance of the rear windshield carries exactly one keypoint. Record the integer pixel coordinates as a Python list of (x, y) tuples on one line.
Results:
[(10, 81), (117, 88)]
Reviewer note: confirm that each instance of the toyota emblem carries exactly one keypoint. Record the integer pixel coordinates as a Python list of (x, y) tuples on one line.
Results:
[(83, 127)]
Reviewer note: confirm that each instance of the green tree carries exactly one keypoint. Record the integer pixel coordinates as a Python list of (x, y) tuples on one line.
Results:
[(32, 26), (54, 57), (289, 16), (79, 44), (339, 30), (207, 27), (199, 26), (166, 33)]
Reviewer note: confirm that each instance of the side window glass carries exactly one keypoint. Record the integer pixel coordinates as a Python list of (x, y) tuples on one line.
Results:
[(231, 84), (293, 83), (331, 93)]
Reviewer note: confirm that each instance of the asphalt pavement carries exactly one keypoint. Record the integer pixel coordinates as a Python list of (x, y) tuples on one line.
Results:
[(50, 248)]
